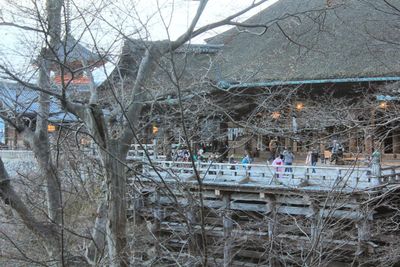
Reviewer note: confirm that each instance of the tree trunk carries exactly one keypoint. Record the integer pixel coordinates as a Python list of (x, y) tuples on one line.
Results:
[(95, 250), (116, 196), (48, 233)]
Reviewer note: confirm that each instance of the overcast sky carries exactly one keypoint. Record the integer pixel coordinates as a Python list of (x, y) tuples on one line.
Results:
[(18, 47), (184, 10)]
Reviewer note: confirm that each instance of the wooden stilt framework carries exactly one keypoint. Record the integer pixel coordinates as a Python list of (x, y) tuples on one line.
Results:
[(259, 222)]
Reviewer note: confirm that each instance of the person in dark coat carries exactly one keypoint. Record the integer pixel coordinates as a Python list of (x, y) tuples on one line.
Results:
[(314, 158)]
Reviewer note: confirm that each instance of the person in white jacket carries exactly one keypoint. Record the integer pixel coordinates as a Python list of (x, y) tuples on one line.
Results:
[(278, 161)]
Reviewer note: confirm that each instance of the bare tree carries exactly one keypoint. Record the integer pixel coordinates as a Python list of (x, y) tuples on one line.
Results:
[(113, 137)]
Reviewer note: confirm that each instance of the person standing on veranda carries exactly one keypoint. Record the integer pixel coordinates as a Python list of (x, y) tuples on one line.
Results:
[(278, 161), (312, 158), (288, 158), (273, 147)]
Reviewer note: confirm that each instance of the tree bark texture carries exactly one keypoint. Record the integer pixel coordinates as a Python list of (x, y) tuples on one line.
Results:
[(95, 250), (116, 197)]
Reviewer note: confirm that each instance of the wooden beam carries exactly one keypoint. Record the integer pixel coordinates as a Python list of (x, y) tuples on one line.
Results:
[(194, 239), (364, 231), (228, 225), (157, 222)]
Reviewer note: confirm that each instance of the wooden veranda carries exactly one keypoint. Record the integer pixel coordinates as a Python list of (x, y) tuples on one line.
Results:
[(251, 215)]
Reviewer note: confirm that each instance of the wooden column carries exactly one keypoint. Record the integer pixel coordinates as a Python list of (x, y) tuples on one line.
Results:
[(157, 222), (315, 228), (195, 244), (137, 204), (167, 142), (287, 142), (315, 232), (294, 146), (272, 227), (353, 141), (228, 225), (322, 148), (368, 140), (368, 134), (396, 142), (271, 211), (364, 229)]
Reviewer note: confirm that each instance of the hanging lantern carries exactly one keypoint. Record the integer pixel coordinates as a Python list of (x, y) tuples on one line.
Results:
[(155, 129), (383, 105), (51, 128), (275, 115), (299, 106)]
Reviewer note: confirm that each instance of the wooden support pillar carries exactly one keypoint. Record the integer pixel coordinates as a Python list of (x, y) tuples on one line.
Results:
[(287, 142), (137, 204), (353, 141), (156, 229), (194, 239), (322, 147), (368, 141), (272, 227), (368, 134), (314, 217), (294, 146), (156, 148), (315, 228), (396, 142), (167, 142), (271, 211), (363, 229), (228, 225)]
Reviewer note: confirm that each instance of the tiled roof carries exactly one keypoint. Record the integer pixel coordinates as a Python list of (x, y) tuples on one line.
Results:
[(72, 50), (19, 99), (313, 40)]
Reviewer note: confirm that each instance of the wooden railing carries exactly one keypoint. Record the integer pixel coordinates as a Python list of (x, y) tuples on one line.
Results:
[(139, 151), (267, 175), (17, 154), (252, 174), (390, 174)]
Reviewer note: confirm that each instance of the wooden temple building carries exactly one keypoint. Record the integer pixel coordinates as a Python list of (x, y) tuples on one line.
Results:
[(308, 74), (340, 58), (311, 72), (69, 70)]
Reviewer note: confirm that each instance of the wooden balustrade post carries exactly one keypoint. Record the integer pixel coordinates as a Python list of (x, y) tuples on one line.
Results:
[(306, 176), (338, 177), (228, 225)]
